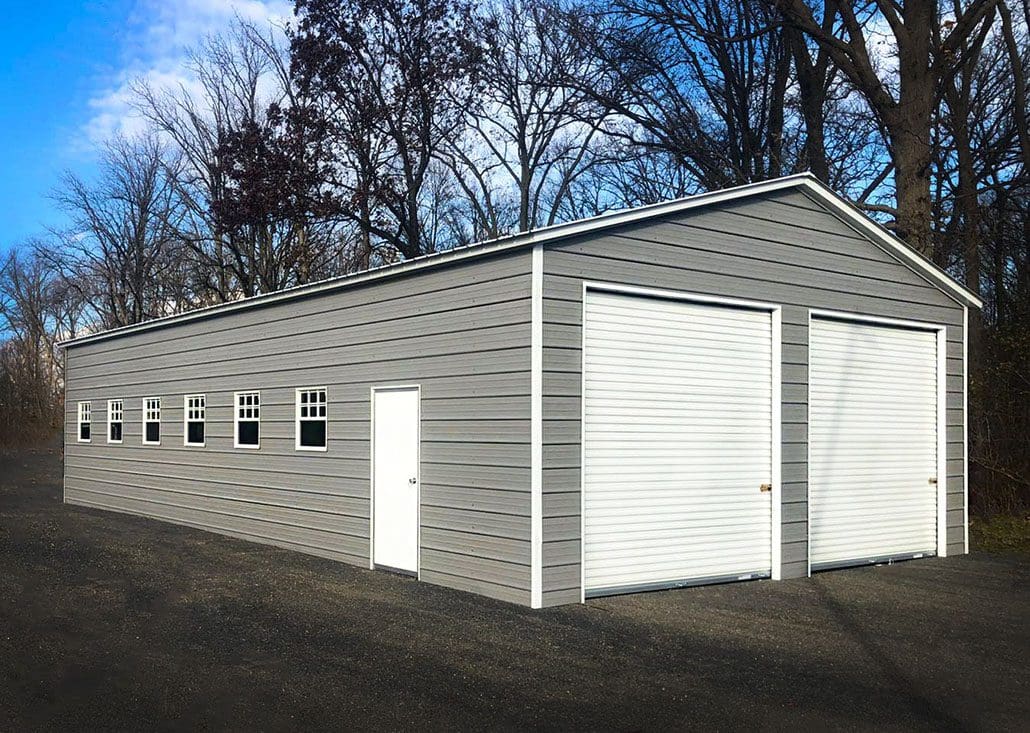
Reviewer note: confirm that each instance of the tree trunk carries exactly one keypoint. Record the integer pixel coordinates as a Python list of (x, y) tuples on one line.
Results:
[(813, 101), (911, 158), (909, 123)]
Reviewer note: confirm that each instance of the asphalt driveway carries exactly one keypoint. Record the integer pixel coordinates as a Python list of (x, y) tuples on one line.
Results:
[(117, 622)]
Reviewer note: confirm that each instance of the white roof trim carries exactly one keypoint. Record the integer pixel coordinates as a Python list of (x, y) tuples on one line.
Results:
[(854, 216), (805, 181)]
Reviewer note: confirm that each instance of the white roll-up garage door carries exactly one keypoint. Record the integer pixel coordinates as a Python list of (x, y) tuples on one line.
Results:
[(872, 442), (677, 443)]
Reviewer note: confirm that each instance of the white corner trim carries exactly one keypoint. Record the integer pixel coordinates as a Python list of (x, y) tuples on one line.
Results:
[(942, 442), (536, 428), (965, 428), (808, 445), (371, 474), (582, 441), (776, 497)]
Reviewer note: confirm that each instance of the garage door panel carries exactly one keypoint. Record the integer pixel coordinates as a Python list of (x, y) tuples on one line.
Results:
[(677, 442), (873, 442)]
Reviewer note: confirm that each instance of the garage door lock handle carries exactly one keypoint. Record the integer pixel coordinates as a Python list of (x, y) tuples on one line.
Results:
[(765, 488)]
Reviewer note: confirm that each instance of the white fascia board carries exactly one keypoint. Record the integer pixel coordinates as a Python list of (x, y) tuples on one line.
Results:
[(805, 181), (874, 231)]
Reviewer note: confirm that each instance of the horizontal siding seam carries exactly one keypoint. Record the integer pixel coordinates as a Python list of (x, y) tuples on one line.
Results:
[(767, 260), (306, 350), (241, 500), (355, 559), (215, 512), (403, 296), (436, 571), (236, 484), (70, 462), (698, 271), (481, 554), (329, 365)]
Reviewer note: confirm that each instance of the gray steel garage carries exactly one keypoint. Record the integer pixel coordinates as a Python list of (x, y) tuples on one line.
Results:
[(752, 383)]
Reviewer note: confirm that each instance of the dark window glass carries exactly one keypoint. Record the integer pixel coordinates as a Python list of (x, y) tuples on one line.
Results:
[(116, 431), (84, 431), (312, 433), (195, 432), (153, 431), (248, 433)]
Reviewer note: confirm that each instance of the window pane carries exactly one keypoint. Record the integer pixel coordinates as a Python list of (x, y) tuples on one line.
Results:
[(153, 432), (195, 432), (312, 433), (84, 431), (248, 433), (116, 431)]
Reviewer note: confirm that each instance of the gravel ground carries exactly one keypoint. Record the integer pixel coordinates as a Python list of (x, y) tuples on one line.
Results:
[(115, 622)]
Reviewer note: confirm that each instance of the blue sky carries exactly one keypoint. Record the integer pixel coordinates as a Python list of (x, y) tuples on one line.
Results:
[(65, 67), (57, 57)]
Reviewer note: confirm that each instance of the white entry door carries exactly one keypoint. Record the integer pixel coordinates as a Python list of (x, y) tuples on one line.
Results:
[(395, 478), (872, 482), (677, 430)]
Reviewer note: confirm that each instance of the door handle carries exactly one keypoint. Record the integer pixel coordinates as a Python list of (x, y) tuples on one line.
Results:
[(765, 488), (412, 480)]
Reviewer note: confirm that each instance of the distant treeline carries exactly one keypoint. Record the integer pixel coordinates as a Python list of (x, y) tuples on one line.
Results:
[(370, 131)]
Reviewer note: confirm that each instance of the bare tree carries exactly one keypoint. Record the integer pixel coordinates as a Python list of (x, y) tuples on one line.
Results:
[(392, 80), (121, 252), (32, 316), (928, 53), (531, 136), (243, 239), (702, 80)]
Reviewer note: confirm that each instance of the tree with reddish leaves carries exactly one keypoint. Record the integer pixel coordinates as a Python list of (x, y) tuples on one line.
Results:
[(274, 186), (389, 80)]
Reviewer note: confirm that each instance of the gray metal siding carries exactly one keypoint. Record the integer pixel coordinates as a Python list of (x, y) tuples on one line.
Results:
[(782, 248), (462, 331)]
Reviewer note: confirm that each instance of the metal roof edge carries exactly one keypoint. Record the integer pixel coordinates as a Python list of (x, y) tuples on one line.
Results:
[(548, 234), (852, 214)]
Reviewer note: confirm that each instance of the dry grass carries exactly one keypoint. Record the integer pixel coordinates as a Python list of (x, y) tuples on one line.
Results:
[(1000, 533)]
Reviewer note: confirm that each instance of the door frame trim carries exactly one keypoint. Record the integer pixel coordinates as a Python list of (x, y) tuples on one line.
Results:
[(941, 332), (372, 473), (776, 320)]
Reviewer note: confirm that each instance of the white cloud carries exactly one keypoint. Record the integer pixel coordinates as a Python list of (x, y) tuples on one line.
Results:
[(159, 35)]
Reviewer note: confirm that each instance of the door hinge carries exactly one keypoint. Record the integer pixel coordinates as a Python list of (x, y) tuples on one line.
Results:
[(765, 487)]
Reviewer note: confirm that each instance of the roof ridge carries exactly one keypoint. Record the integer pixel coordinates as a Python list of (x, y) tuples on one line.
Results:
[(805, 180)]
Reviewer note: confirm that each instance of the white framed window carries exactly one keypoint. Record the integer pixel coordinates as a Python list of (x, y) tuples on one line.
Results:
[(85, 422), (194, 407), (151, 421), (247, 420), (311, 428), (115, 415)]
